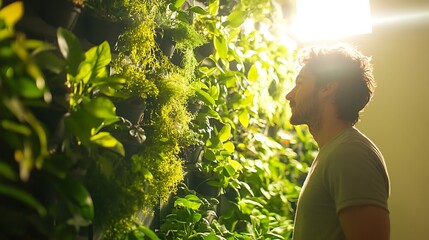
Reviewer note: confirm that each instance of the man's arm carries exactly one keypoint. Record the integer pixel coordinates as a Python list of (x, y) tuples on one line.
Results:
[(365, 223)]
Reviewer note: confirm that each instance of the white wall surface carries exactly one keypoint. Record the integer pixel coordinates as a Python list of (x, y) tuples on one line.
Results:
[(397, 119)]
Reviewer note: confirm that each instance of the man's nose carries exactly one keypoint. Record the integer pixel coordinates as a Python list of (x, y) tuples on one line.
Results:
[(289, 95)]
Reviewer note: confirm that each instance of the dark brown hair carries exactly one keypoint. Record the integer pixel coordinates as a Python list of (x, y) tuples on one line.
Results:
[(350, 68)]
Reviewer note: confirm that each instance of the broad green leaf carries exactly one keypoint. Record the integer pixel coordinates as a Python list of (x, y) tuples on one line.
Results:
[(209, 154), (148, 232), (85, 72), (212, 113), (214, 91), (70, 49), (100, 57), (114, 82), (189, 201), (78, 197), (101, 107), (12, 13), (213, 7), (199, 10), (109, 85), (236, 17), (48, 60), (106, 140), (23, 197), (29, 88), (224, 133), (146, 173), (214, 142), (205, 97), (231, 82), (236, 165), (196, 217), (229, 146), (178, 3), (229, 170), (221, 46), (253, 74), (248, 188), (243, 118)]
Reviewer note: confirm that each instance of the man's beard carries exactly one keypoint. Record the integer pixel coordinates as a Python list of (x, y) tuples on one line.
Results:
[(307, 113)]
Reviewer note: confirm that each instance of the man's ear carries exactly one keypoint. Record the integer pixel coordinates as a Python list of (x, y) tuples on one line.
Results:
[(329, 89)]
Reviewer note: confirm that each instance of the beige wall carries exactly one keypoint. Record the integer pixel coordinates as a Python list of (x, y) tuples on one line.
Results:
[(397, 119)]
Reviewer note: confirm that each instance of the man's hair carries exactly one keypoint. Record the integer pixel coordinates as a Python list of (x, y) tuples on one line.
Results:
[(350, 68)]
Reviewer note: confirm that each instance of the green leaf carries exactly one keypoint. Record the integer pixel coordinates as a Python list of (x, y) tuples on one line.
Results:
[(236, 165), (103, 108), (100, 57), (48, 60), (29, 88), (209, 154), (70, 49), (205, 97), (214, 91), (236, 17), (190, 201), (7, 172), (196, 217), (221, 46), (146, 173), (243, 118), (148, 232), (199, 10), (78, 197), (23, 197), (213, 142), (12, 13), (106, 140), (16, 127), (225, 133), (253, 74), (213, 7), (80, 122), (229, 146), (178, 3), (230, 170), (247, 187)]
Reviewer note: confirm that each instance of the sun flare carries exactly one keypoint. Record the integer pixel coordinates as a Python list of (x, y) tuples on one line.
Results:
[(328, 19)]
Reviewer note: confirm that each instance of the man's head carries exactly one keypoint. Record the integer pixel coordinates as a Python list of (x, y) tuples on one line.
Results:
[(342, 65)]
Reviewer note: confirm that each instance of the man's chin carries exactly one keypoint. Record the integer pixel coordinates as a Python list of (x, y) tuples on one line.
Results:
[(296, 120)]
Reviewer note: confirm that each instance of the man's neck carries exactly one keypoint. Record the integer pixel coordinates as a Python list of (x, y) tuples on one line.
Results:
[(326, 131)]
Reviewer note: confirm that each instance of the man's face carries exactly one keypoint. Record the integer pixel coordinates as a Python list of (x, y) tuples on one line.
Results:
[(303, 99)]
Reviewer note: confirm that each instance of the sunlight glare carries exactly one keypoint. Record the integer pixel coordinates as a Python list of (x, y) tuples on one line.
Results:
[(329, 19)]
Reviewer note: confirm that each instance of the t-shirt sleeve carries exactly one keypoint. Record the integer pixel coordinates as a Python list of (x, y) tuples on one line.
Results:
[(357, 176)]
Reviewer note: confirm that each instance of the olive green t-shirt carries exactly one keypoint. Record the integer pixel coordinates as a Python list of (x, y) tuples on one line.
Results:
[(348, 171)]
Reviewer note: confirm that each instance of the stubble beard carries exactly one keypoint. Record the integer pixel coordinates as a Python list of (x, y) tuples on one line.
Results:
[(308, 114)]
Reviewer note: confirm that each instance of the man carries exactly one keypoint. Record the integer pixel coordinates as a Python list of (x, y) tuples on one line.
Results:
[(346, 191)]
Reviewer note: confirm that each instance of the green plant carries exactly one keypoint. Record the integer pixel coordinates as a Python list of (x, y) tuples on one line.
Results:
[(50, 187), (251, 154)]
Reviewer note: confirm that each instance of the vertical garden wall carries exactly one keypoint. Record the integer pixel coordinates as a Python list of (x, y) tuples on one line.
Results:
[(147, 119)]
